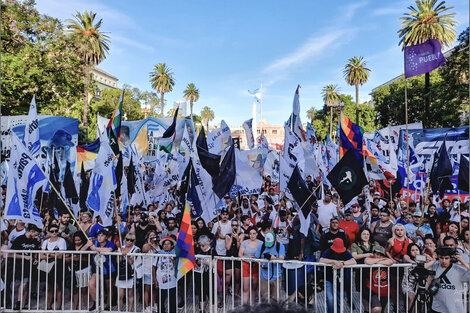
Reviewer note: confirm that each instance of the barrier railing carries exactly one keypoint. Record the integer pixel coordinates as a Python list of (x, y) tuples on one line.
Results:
[(75, 281)]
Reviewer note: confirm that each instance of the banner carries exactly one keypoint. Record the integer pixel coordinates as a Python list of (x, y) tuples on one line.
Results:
[(423, 58)]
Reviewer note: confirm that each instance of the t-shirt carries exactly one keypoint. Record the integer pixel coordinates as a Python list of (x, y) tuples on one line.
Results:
[(165, 270), (59, 244), (270, 271), (249, 251), (326, 212), (141, 233), (328, 237), (24, 243), (94, 230), (351, 229), (225, 229), (449, 296), (331, 255), (109, 264), (411, 228), (15, 234)]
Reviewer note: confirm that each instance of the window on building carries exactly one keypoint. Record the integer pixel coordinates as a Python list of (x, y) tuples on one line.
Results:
[(264, 131), (274, 132), (258, 132)]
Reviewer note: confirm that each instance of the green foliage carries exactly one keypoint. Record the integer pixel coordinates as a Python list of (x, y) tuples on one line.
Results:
[(37, 58), (162, 81), (207, 115), (448, 94)]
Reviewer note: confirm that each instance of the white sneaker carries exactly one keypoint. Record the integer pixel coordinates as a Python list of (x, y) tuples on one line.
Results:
[(148, 310)]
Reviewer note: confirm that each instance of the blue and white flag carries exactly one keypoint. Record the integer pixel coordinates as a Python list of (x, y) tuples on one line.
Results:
[(219, 139), (415, 163), (248, 127), (183, 156), (102, 185), (248, 173), (31, 130), (24, 180), (311, 136)]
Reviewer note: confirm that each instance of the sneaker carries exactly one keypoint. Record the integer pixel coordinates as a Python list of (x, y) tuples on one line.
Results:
[(148, 310), (181, 305), (93, 307), (17, 306)]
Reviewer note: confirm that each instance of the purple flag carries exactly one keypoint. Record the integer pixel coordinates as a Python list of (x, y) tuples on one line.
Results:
[(423, 58)]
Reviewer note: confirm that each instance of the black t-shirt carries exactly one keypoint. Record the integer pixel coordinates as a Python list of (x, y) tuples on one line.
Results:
[(141, 233), (331, 255), (24, 243), (328, 238)]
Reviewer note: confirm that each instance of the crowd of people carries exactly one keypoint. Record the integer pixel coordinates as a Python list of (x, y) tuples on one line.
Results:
[(373, 230)]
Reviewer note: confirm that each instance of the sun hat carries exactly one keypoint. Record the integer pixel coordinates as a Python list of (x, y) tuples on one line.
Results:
[(338, 245), (167, 238)]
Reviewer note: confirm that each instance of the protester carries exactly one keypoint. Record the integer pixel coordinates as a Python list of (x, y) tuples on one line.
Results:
[(126, 273), (164, 276), (382, 229), (250, 274)]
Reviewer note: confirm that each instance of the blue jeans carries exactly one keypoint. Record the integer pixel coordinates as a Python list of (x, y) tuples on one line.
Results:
[(330, 297)]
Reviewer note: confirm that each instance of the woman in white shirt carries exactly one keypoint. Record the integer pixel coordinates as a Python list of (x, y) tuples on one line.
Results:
[(55, 277)]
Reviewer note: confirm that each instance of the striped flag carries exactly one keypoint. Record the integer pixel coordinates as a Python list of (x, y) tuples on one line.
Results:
[(113, 130), (185, 259), (350, 137)]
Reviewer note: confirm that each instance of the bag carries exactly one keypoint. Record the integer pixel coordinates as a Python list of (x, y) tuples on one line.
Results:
[(83, 277), (126, 271), (45, 266), (436, 282)]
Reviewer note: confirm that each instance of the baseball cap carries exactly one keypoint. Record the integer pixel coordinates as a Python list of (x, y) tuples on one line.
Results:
[(224, 210), (379, 249), (282, 212), (417, 213), (269, 239), (347, 212)]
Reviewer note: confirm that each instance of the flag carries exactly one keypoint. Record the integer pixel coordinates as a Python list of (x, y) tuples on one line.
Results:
[(303, 198), (86, 155), (219, 139), (69, 185), (209, 161), (248, 127), (113, 130), (185, 257), (249, 179), (24, 180), (118, 172), (141, 143), (332, 152), (463, 174), (84, 184), (423, 58), (440, 172), (296, 124), (222, 183), (415, 163), (168, 137), (348, 177), (102, 185), (31, 130), (293, 151), (350, 137), (311, 136), (131, 177), (183, 155)]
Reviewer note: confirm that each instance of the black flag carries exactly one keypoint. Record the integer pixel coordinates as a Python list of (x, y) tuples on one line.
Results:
[(463, 174), (440, 172), (84, 184), (222, 183), (300, 192), (118, 172), (69, 185), (348, 177), (209, 161), (131, 178)]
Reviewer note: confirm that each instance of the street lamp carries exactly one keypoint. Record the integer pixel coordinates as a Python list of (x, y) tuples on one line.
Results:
[(146, 108)]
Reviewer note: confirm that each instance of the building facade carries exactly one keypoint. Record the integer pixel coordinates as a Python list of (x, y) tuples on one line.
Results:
[(273, 133), (103, 80)]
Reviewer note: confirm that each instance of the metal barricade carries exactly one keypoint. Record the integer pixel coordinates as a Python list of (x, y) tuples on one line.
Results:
[(75, 281)]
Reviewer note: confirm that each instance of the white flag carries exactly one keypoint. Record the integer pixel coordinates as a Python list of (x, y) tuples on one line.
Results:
[(293, 151), (248, 127), (31, 130), (24, 179), (248, 171), (219, 139), (102, 185), (183, 153)]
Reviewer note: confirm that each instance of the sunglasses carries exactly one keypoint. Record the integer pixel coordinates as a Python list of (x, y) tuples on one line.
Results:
[(54, 231), (235, 225), (130, 240)]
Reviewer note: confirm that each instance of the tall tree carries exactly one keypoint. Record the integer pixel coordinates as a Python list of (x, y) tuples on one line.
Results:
[(427, 21), (330, 94), (311, 114), (191, 94), (162, 81), (356, 73), (207, 115), (92, 46)]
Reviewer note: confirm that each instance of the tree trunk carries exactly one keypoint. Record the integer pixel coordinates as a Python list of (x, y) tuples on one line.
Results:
[(163, 103), (331, 120), (357, 104), (85, 100), (427, 100), (191, 108)]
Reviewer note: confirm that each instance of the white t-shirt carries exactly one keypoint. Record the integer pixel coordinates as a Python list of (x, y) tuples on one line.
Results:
[(15, 234), (225, 229), (326, 212), (59, 244)]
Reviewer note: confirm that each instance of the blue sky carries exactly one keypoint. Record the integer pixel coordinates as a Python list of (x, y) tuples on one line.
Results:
[(229, 47)]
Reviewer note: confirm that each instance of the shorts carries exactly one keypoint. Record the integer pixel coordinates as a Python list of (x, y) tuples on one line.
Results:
[(229, 264), (250, 270), (147, 279), (375, 300)]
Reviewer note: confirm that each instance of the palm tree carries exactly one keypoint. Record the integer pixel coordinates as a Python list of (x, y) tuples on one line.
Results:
[(207, 115), (311, 114), (92, 47), (330, 94), (425, 22), (191, 94), (356, 73), (162, 81)]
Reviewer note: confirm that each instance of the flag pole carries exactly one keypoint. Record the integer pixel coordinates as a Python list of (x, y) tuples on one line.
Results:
[(407, 137), (311, 194)]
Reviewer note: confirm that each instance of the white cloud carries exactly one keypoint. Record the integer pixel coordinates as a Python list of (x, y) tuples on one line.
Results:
[(131, 42)]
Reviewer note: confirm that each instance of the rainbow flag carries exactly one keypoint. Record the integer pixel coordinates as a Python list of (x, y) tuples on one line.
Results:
[(350, 137), (185, 259), (114, 126), (86, 155)]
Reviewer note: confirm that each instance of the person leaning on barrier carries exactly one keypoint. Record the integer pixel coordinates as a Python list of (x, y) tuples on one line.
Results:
[(448, 298), (23, 264)]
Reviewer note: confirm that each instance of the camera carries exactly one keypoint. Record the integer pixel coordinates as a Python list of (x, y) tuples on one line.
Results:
[(420, 272), (267, 256), (234, 230)]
